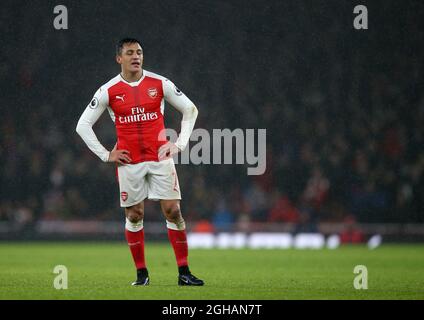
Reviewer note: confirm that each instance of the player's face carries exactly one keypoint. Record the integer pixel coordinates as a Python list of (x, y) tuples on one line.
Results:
[(131, 57)]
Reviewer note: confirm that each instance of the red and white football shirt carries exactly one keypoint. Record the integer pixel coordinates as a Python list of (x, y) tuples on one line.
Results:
[(137, 109)]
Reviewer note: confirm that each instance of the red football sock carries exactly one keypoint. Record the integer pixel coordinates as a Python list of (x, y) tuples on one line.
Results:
[(178, 239), (136, 243)]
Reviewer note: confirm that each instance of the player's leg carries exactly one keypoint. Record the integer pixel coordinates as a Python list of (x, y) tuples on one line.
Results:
[(178, 238), (163, 185), (176, 230), (134, 233), (133, 189)]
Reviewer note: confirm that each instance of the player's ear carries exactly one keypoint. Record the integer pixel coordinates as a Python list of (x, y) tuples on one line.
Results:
[(118, 59)]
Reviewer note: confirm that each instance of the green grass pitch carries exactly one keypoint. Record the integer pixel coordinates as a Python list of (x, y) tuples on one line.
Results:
[(105, 271)]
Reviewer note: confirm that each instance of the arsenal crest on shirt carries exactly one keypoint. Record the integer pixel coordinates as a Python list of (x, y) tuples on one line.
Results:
[(124, 196), (153, 92)]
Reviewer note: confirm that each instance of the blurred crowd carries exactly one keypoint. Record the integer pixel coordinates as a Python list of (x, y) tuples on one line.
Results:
[(343, 109)]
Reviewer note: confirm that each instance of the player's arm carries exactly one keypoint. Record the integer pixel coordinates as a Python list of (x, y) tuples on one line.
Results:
[(85, 129), (184, 105)]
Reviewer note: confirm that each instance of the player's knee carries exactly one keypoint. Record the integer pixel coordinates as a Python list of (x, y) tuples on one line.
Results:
[(135, 214), (173, 213)]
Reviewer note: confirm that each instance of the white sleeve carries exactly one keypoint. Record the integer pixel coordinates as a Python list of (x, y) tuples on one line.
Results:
[(179, 101), (89, 117)]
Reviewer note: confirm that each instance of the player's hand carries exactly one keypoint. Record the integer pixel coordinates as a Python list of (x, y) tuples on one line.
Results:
[(119, 156), (167, 150)]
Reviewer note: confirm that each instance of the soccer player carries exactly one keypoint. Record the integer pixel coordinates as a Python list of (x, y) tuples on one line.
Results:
[(135, 102)]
